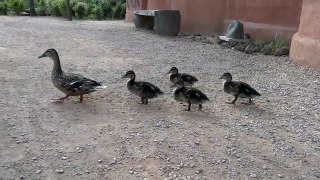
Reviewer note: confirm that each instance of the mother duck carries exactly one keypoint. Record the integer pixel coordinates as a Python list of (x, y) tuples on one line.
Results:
[(69, 83)]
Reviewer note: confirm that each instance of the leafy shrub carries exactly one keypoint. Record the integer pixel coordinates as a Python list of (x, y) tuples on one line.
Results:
[(97, 13), (55, 10), (73, 4), (106, 8), (41, 8), (62, 7), (4, 8), (90, 8), (49, 9), (81, 9), (17, 6), (119, 10)]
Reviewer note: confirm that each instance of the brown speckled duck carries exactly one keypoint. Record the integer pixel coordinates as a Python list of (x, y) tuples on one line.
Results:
[(144, 90), (189, 95), (69, 83), (238, 89), (188, 79)]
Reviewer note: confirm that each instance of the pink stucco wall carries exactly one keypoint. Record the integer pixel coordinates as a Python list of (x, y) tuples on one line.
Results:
[(305, 45), (263, 19)]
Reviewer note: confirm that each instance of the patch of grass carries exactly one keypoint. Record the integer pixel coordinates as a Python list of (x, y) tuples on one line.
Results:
[(275, 44)]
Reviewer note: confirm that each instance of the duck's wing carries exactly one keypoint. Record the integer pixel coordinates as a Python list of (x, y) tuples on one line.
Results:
[(78, 82), (188, 78), (147, 87), (195, 93), (233, 86), (248, 90)]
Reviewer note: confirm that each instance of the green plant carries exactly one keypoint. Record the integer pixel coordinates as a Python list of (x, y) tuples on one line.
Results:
[(62, 7), (49, 4), (16, 6), (279, 43), (106, 8), (119, 10), (1, 7), (73, 4), (97, 13), (90, 8), (81, 9), (41, 8)]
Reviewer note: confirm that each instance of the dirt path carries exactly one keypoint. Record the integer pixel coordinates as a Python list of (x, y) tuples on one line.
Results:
[(111, 136)]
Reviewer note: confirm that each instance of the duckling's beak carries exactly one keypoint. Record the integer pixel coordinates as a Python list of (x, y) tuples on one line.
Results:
[(43, 55), (168, 72), (124, 76), (221, 77)]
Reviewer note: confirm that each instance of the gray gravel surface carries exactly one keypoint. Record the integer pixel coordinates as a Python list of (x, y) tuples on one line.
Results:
[(111, 136)]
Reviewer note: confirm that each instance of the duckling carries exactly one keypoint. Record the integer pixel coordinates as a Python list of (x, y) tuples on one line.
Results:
[(188, 95), (188, 79), (69, 83), (238, 89), (144, 90)]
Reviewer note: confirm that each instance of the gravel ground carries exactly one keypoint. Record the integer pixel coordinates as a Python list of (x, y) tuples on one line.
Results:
[(111, 136)]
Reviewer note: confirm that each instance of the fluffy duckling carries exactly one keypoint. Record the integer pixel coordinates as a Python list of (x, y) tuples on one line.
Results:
[(188, 95), (188, 79), (238, 89), (144, 90), (69, 83)]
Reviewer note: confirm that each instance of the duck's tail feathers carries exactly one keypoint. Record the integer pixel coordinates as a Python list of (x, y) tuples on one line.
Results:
[(160, 92), (100, 87)]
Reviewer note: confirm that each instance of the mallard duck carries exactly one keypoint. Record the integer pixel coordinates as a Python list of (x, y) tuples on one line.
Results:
[(144, 90), (188, 95), (238, 89), (188, 79), (69, 83)]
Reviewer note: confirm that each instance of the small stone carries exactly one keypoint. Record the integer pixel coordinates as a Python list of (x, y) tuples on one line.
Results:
[(254, 175), (266, 50), (22, 177), (38, 171), (130, 172), (282, 51), (199, 171), (252, 48), (64, 157), (99, 161), (60, 171), (280, 175)]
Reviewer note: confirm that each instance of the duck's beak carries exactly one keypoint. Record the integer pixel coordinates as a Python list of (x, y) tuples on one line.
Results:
[(221, 77), (124, 76), (43, 55), (168, 72)]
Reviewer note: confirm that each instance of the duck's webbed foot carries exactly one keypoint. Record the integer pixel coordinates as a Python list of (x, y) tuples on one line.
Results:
[(200, 106), (248, 103), (233, 101), (61, 99)]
